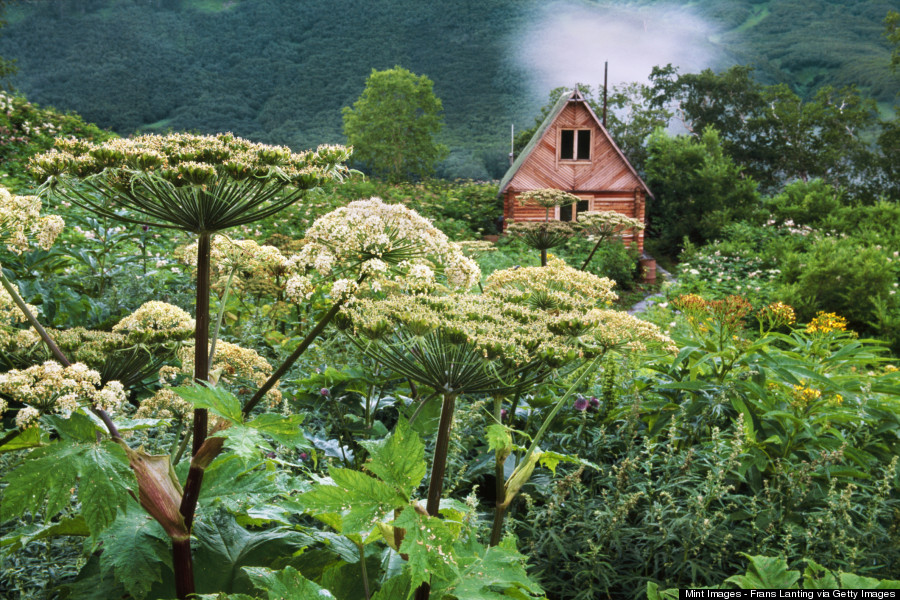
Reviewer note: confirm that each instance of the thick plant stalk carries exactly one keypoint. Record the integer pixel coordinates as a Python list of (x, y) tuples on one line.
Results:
[(183, 564), (438, 468), (17, 299), (201, 335), (593, 250), (290, 360), (441, 448), (499, 482), (543, 257)]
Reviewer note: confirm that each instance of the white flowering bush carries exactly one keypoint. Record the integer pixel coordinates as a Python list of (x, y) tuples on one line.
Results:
[(21, 223), (382, 242), (52, 388)]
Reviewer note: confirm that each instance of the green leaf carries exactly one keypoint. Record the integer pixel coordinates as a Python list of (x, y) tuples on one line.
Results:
[(550, 460), (104, 481), (766, 573), (858, 582), (236, 485), (77, 428), (498, 437), (398, 460), (245, 442), (18, 539), (30, 438), (217, 399), (360, 499), (40, 478), (817, 577), (489, 573), (429, 545), (394, 588), (287, 584), (224, 548), (135, 548), (284, 430)]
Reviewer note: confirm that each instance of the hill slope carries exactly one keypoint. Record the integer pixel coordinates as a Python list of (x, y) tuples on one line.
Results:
[(280, 70)]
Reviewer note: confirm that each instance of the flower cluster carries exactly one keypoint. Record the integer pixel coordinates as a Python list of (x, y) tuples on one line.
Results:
[(165, 404), (511, 334), (52, 388), (826, 322), (617, 330), (777, 314), (230, 364), (547, 198), (21, 222), (156, 322), (188, 159), (725, 315), (542, 235), (607, 223), (802, 396), (385, 242), (722, 274), (9, 312), (554, 287)]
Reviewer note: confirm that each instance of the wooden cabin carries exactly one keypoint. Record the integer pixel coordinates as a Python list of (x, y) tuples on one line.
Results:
[(572, 151)]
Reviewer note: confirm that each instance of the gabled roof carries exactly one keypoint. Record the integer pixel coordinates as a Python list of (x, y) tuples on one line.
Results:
[(564, 99)]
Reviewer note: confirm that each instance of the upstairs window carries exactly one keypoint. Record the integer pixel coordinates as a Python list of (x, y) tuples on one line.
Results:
[(575, 144)]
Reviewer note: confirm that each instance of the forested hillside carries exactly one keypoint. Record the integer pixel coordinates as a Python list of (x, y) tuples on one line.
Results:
[(279, 71)]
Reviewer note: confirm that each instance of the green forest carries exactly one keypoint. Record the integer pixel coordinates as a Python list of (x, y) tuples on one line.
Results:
[(280, 71)]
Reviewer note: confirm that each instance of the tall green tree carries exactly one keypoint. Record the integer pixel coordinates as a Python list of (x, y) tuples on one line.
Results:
[(699, 189), (770, 131), (393, 125)]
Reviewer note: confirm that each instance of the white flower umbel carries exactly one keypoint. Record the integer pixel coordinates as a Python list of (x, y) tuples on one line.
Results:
[(383, 241)]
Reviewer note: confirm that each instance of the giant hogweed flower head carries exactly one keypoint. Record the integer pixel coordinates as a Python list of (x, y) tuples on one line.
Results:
[(232, 363), (554, 287), (156, 322), (383, 242), (52, 388), (9, 312), (547, 198), (607, 223), (183, 181), (21, 223), (463, 343)]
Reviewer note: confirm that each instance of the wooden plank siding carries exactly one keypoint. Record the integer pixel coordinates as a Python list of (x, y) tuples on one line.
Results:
[(606, 180)]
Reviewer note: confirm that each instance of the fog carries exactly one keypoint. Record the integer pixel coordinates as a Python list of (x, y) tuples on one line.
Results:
[(568, 42)]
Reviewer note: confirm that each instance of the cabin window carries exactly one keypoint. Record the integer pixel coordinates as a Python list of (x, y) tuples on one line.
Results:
[(575, 144), (570, 212)]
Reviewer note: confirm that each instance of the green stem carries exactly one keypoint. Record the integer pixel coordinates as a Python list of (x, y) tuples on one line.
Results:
[(365, 575), (9, 436), (17, 299), (182, 447), (591, 367), (499, 483), (591, 255), (220, 316), (543, 257), (290, 360)]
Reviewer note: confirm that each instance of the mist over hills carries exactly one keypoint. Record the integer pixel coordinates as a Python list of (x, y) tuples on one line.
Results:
[(280, 71)]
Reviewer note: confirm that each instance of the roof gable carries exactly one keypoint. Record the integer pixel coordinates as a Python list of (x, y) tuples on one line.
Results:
[(564, 100)]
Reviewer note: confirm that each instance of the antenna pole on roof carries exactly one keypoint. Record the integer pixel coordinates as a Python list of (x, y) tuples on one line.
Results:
[(605, 73), (512, 143)]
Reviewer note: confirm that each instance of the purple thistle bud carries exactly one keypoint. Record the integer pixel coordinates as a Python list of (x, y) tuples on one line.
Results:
[(595, 404), (503, 414), (145, 227), (304, 456), (270, 455), (325, 392), (581, 404)]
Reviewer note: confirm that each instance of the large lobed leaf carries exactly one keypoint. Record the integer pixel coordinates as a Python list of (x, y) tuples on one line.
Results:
[(99, 472)]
